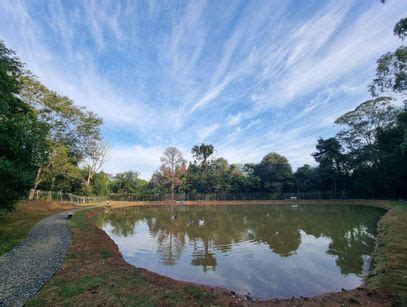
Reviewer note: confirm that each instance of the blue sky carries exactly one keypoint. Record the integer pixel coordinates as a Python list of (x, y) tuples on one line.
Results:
[(250, 77)]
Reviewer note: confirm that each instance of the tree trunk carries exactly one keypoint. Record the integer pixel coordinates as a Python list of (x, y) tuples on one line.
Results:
[(53, 183), (172, 191), (36, 184), (89, 178)]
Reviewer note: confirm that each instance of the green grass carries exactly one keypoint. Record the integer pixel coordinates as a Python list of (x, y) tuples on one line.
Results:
[(76, 287), (14, 227), (198, 293), (35, 303), (132, 281), (79, 221), (172, 297), (106, 254), (389, 266), (132, 299), (75, 255)]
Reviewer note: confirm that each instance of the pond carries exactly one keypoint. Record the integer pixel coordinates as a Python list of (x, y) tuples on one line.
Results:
[(265, 250)]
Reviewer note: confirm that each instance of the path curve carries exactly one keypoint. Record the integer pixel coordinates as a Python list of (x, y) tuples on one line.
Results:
[(25, 269)]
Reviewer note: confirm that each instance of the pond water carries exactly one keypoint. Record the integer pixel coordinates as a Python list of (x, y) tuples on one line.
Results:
[(267, 251)]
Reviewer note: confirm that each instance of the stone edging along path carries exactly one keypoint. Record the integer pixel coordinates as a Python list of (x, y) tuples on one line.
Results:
[(25, 269)]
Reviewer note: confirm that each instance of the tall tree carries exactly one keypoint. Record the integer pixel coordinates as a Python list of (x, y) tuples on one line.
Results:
[(73, 127), (363, 123), (391, 71), (97, 155), (100, 184), (332, 163), (307, 178), (23, 139), (173, 167), (400, 29), (128, 184), (202, 153), (274, 172)]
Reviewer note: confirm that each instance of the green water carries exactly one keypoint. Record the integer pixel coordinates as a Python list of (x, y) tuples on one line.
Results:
[(267, 251)]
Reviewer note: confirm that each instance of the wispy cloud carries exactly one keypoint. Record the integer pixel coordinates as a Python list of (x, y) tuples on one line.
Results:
[(249, 76), (206, 131)]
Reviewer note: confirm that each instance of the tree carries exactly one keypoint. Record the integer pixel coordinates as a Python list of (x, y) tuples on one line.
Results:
[(73, 127), (100, 184), (202, 153), (363, 125), (400, 29), (128, 184), (158, 183), (391, 71), (59, 171), (365, 120), (97, 155), (274, 172), (23, 139), (173, 167), (332, 163), (307, 178), (402, 124)]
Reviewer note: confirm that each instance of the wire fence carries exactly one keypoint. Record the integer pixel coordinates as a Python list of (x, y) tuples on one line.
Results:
[(69, 198), (260, 196), (239, 196)]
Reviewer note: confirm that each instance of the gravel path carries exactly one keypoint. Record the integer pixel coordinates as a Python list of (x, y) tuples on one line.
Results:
[(25, 269)]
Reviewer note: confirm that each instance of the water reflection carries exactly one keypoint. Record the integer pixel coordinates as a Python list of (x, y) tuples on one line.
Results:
[(266, 250)]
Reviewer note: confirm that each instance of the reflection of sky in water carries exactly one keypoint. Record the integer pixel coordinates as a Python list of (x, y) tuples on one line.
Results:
[(247, 266)]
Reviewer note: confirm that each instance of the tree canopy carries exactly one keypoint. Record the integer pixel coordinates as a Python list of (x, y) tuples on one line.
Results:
[(23, 142)]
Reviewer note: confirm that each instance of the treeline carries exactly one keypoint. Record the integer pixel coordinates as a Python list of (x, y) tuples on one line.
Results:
[(46, 141)]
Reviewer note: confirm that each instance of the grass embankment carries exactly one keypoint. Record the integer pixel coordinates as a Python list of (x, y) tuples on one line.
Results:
[(94, 273), (389, 267), (15, 225)]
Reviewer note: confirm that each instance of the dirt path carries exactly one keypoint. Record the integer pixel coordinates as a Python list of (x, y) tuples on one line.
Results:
[(25, 269)]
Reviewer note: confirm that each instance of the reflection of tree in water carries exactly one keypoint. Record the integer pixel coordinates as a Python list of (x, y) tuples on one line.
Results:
[(203, 257), (169, 247), (349, 228)]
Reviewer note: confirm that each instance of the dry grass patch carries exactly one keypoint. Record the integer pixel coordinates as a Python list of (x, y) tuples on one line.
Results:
[(15, 225)]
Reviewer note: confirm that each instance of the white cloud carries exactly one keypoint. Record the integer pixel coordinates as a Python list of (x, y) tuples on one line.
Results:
[(354, 45), (134, 157), (204, 132), (233, 120)]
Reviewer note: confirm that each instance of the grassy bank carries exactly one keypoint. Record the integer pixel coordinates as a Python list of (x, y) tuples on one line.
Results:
[(389, 267), (15, 225), (95, 272)]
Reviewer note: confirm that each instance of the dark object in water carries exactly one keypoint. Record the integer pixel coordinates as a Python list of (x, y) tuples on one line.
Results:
[(69, 216)]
